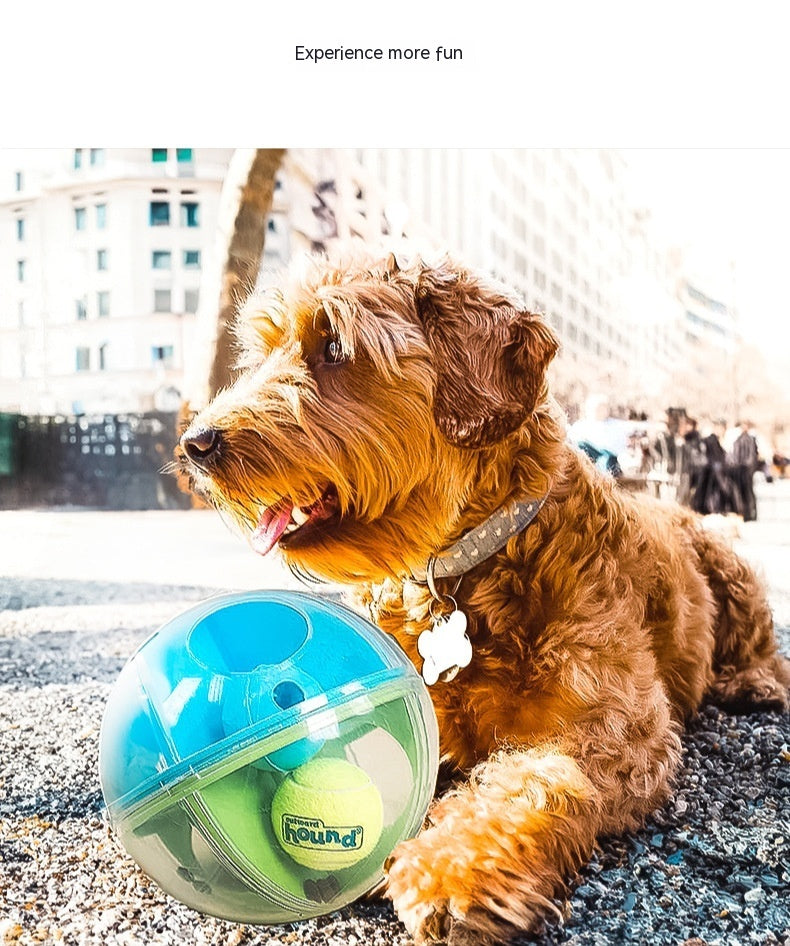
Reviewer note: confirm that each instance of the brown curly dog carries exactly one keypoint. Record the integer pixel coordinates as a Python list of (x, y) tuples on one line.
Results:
[(382, 413)]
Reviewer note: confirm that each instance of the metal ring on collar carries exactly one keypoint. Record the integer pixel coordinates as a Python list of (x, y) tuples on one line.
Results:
[(429, 580), (440, 602)]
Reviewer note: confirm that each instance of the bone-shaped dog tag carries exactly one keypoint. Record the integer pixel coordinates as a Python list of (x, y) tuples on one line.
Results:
[(445, 647)]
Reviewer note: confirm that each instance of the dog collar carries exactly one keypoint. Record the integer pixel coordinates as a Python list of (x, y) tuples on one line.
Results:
[(445, 647), (480, 543)]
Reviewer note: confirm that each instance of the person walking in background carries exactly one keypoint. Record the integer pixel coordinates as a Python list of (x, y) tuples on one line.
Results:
[(692, 462), (745, 461), (717, 491)]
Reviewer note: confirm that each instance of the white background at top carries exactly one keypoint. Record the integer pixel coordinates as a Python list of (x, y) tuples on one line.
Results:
[(695, 73)]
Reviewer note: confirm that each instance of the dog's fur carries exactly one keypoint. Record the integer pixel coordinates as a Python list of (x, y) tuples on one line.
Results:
[(596, 631)]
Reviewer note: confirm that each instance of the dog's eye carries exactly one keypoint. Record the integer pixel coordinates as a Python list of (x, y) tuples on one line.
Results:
[(333, 351)]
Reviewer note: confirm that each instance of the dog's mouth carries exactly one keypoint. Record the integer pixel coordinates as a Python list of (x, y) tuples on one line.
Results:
[(282, 521)]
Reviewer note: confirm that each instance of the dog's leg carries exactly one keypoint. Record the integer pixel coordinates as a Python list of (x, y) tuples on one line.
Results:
[(498, 849), (749, 671)]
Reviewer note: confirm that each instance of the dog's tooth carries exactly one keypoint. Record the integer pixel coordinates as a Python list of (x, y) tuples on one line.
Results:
[(299, 517)]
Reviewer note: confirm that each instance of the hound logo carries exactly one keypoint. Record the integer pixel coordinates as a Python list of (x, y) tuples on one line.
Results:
[(311, 834)]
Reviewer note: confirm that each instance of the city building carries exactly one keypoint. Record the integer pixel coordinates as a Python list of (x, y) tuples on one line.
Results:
[(101, 255), (707, 321), (556, 224)]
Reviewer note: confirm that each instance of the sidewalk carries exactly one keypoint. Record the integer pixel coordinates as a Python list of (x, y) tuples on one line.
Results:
[(81, 590)]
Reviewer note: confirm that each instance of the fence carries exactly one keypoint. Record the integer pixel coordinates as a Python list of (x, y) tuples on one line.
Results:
[(110, 461)]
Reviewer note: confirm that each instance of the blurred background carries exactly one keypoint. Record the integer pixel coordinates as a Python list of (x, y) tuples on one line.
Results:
[(661, 270)]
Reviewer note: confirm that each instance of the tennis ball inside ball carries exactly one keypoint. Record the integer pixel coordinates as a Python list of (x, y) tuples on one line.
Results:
[(327, 814)]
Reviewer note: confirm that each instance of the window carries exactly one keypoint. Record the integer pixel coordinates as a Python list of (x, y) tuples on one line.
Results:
[(271, 226), (83, 359), (191, 297), (103, 356), (103, 303), (82, 309), (80, 218), (189, 214), (162, 354), (183, 154), (192, 259), (101, 260), (161, 259), (158, 155), (101, 216), (97, 156), (162, 301), (20, 228), (20, 270), (18, 180), (160, 213), (20, 311), (77, 158)]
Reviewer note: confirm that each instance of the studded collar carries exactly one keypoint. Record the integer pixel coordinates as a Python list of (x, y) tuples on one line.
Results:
[(480, 543)]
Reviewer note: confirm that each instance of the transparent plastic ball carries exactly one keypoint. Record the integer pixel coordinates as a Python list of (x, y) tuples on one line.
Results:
[(263, 753)]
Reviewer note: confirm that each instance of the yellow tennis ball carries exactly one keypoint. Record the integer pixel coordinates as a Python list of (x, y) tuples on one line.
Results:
[(327, 814)]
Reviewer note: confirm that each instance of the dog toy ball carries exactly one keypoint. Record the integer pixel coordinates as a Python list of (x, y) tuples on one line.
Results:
[(327, 814), (263, 753)]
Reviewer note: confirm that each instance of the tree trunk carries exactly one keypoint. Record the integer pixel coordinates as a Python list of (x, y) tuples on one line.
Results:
[(245, 203)]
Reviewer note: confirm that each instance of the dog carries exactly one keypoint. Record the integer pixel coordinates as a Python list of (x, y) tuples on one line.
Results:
[(391, 428)]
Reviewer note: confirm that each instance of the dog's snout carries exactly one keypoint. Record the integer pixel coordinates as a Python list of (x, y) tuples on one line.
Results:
[(201, 444)]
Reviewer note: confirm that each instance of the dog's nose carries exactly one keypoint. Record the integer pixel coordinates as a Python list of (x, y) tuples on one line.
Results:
[(201, 444)]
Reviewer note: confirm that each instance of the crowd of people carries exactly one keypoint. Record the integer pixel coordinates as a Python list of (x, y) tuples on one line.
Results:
[(714, 473), (710, 471)]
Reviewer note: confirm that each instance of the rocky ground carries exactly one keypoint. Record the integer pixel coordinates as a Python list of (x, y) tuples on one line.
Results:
[(81, 590)]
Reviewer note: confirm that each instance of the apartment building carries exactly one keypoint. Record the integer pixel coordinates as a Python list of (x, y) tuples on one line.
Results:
[(707, 320), (556, 224), (101, 254)]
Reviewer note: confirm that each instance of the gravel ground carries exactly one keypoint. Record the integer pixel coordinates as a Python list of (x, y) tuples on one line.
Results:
[(713, 867)]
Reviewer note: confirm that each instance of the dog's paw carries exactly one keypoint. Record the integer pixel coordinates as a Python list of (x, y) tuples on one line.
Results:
[(413, 892), (431, 913), (431, 925)]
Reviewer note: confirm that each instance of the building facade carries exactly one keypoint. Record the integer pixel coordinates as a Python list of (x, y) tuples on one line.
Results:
[(100, 266), (103, 252), (707, 320), (556, 224)]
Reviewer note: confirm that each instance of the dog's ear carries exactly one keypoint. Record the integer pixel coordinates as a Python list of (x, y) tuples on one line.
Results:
[(491, 356)]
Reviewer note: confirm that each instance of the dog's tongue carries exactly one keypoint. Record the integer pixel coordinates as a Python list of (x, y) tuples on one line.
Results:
[(271, 525)]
